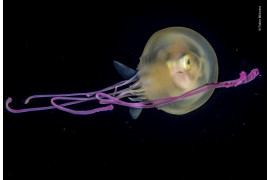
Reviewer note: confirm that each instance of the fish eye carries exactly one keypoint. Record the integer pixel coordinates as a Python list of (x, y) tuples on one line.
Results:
[(187, 62)]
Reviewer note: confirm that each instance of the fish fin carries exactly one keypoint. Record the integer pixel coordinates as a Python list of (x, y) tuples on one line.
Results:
[(125, 71), (135, 112)]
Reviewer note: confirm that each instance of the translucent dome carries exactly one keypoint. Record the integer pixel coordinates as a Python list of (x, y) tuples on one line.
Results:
[(176, 60)]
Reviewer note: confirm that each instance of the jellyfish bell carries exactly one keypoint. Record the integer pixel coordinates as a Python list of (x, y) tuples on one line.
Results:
[(177, 73), (176, 60)]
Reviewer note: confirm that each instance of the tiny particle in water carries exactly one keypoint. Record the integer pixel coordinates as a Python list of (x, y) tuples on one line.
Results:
[(204, 130), (244, 124), (64, 129), (26, 45), (236, 50)]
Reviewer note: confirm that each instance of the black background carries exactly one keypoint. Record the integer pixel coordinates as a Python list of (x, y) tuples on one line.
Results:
[(62, 47)]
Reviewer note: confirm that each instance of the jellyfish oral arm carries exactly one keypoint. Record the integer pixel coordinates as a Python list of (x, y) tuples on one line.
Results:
[(116, 96)]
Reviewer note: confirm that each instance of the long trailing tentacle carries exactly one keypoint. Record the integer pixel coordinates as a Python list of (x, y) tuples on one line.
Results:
[(114, 98), (9, 100), (86, 112), (74, 100)]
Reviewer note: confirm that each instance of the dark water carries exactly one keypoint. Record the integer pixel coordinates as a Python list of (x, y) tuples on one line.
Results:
[(56, 47)]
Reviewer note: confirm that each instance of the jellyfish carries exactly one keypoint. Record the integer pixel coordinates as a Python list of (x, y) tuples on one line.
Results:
[(177, 73)]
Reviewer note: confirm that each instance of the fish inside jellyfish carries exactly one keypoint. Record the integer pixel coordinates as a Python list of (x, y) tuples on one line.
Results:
[(177, 73)]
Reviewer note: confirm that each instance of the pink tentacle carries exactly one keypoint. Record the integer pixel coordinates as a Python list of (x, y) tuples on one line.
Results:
[(76, 99), (85, 112), (9, 100), (111, 99)]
